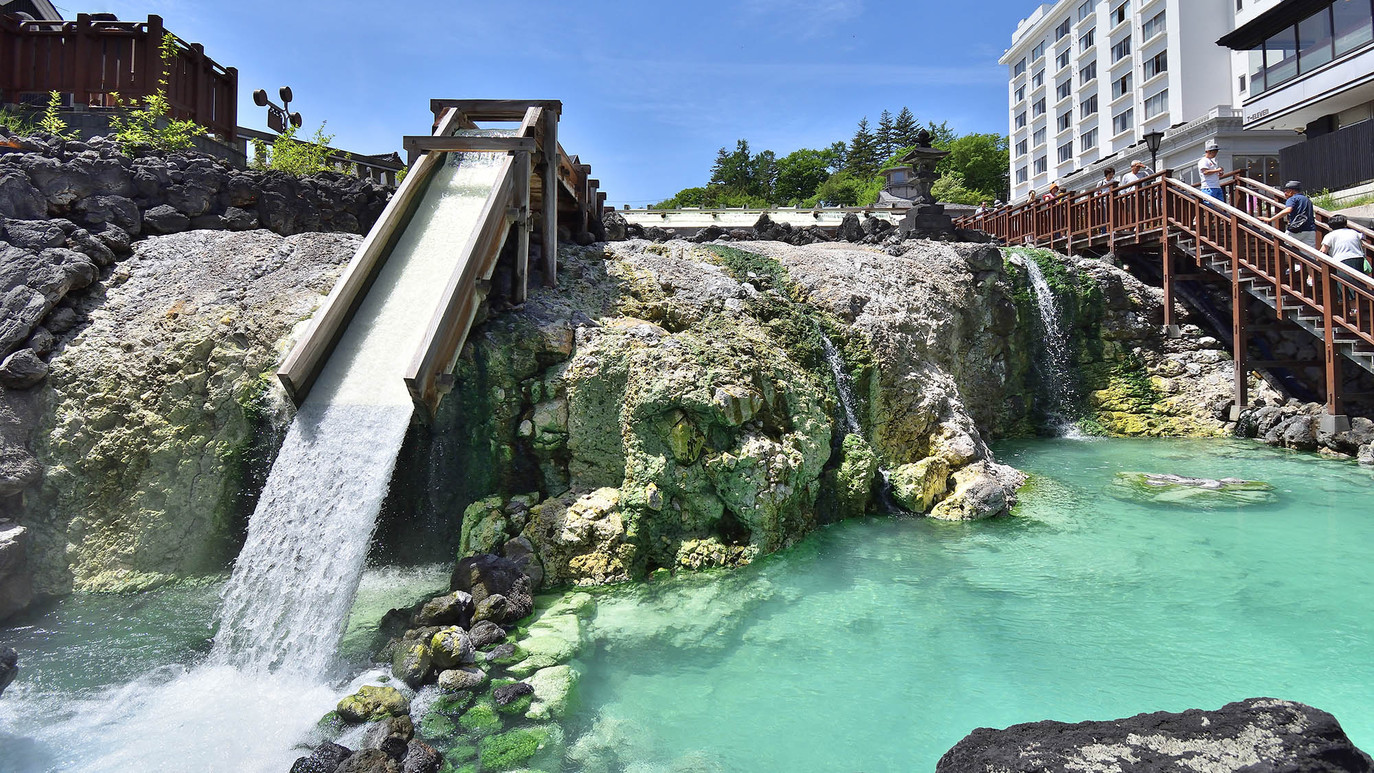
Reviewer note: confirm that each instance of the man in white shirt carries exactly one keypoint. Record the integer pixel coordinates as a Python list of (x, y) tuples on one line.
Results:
[(1344, 245), (1210, 171), (1138, 172)]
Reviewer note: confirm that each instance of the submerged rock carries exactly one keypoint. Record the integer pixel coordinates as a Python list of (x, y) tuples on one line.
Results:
[(1258, 734), (1167, 489)]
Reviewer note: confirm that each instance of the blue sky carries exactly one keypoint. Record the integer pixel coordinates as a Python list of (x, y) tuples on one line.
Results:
[(650, 90)]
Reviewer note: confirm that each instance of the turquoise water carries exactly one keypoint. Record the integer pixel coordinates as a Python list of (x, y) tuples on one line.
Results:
[(876, 645)]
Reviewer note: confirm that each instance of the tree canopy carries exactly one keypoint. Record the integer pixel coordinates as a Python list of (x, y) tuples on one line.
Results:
[(847, 174)]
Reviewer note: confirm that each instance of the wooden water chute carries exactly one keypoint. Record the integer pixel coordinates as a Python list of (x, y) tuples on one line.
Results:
[(532, 167)]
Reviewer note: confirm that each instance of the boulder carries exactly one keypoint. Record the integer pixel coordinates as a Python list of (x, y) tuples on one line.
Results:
[(16, 583), (411, 662), (461, 679), (486, 633), (164, 219), (326, 758), (9, 667), (850, 230), (1169, 489), (491, 575), (450, 609), (369, 761), (979, 492), (373, 702), (35, 234), (615, 226), (919, 485), (552, 688), (1258, 734), (451, 648), (23, 369), (507, 694), (392, 727), (420, 757), (19, 199)]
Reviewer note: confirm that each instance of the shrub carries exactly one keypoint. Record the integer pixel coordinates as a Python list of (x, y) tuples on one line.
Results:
[(298, 157), (139, 126), (52, 122), (18, 124)]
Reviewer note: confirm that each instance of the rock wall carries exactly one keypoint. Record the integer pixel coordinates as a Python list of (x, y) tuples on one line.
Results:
[(157, 419)]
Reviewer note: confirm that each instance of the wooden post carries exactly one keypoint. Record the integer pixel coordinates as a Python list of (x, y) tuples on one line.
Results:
[(1334, 404), (1170, 328), (1240, 345), (151, 61), (550, 236), (520, 290)]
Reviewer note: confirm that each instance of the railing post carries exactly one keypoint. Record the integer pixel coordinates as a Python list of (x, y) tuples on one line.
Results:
[(1335, 419), (1277, 245), (148, 55), (1240, 344), (550, 202), (1111, 197), (1170, 329)]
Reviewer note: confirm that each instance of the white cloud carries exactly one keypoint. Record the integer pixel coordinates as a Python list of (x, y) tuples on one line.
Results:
[(802, 19)]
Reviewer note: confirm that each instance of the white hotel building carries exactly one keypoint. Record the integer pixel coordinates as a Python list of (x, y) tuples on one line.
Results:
[(1090, 78)]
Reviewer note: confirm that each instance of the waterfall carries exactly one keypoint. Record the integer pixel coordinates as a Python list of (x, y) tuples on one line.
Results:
[(843, 384), (287, 602), (1056, 362)]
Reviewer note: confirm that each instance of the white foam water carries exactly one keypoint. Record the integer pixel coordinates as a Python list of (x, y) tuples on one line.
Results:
[(286, 605), (843, 384), (1056, 364)]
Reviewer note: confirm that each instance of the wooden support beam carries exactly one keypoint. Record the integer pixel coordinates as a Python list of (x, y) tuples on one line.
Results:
[(1334, 404), (427, 144), (1239, 341), (1168, 260), (551, 185), (495, 109), (520, 285), (1285, 363)]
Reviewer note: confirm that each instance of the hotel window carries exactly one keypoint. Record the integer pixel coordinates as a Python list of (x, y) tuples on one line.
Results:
[(1063, 90), (1065, 152), (1156, 104), (1121, 86), (1018, 68), (1020, 94), (1156, 64), (1089, 38), (1085, 9), (1062, 60), (1120, 13), (1121, 49), (1087, 107), (1038, 80), (1038, 138), (1021, 175), (1088, 140), (1062, 30), (1333, 32), (1021, 119), (1038, 109), (1123, 121), (1041, 164), (1353, 25), (1087, 73), (1153, 26), (1038, 52), (1021, 148), (1314, 42), (1065, 120)]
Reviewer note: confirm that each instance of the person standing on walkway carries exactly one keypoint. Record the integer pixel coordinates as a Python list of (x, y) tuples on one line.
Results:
[(1345, 245), (1138, 172), (1210, 171), (1298, 209)]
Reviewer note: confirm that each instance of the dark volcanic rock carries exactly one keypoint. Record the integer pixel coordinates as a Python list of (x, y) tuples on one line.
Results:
[(369, 761), (615, 226), (507, 694), (486, 633), (164, 219), (9, 667), (851, 230), (422, 758), (708, 234), (488, 575), (325, 759), (1258, 734), (23, 369), (450, 609)]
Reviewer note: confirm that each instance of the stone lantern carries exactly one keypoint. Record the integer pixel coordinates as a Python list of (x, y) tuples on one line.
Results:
[(926, 216)]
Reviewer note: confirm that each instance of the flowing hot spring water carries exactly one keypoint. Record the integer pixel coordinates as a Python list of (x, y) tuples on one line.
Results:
[(270, 673)]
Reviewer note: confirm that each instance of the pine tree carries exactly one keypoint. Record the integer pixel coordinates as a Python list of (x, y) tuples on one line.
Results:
[(862, 160), (904, 129), (887, 144)]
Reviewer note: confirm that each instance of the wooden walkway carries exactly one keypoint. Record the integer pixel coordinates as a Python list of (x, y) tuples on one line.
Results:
[(536, 177), (1219, 240)]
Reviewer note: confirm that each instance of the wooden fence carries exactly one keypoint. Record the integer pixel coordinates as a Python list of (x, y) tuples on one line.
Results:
[(90, 59)]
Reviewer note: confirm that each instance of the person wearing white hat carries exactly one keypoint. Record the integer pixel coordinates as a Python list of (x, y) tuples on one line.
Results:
[(1210, 171), (1138, 172)]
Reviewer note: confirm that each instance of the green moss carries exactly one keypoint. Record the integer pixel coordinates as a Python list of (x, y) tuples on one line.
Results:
[(455, 703), (517, 707), (331, 725), (436, 725), (481, 719), (460, 753), (508, 751)]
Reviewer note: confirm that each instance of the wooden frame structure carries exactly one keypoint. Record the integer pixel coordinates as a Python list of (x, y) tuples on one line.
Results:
[(532, 178), (1231, 241)]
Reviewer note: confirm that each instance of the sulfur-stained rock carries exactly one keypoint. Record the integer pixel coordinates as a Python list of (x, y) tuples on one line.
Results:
[(411, 663), (918, 486), (451, 648), (373, 702), (461, 679), (581, 538), (980, 491), (453, 608)]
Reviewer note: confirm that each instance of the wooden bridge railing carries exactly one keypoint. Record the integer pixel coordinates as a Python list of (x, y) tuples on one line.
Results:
[(92, 59), (1230, 236)]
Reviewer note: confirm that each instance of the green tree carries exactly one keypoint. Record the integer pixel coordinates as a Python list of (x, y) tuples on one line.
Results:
[(951, 189), (904, 129), (148, 124), (981, 161), (847, 190), (863, 159), (887, 141), (801, 173)]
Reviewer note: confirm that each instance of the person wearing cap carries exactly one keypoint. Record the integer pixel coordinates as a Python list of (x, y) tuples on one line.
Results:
[(1302, 225), (1053, 193), (1138, 172), (1210, 171)]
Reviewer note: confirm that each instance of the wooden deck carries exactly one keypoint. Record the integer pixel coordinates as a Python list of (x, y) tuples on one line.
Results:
[(535, 163), (1226, 240)]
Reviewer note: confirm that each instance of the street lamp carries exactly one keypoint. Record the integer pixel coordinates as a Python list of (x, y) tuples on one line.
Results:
[(1152, 140)]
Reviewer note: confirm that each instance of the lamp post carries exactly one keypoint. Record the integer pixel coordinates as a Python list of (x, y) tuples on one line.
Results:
[(1152, 141)]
